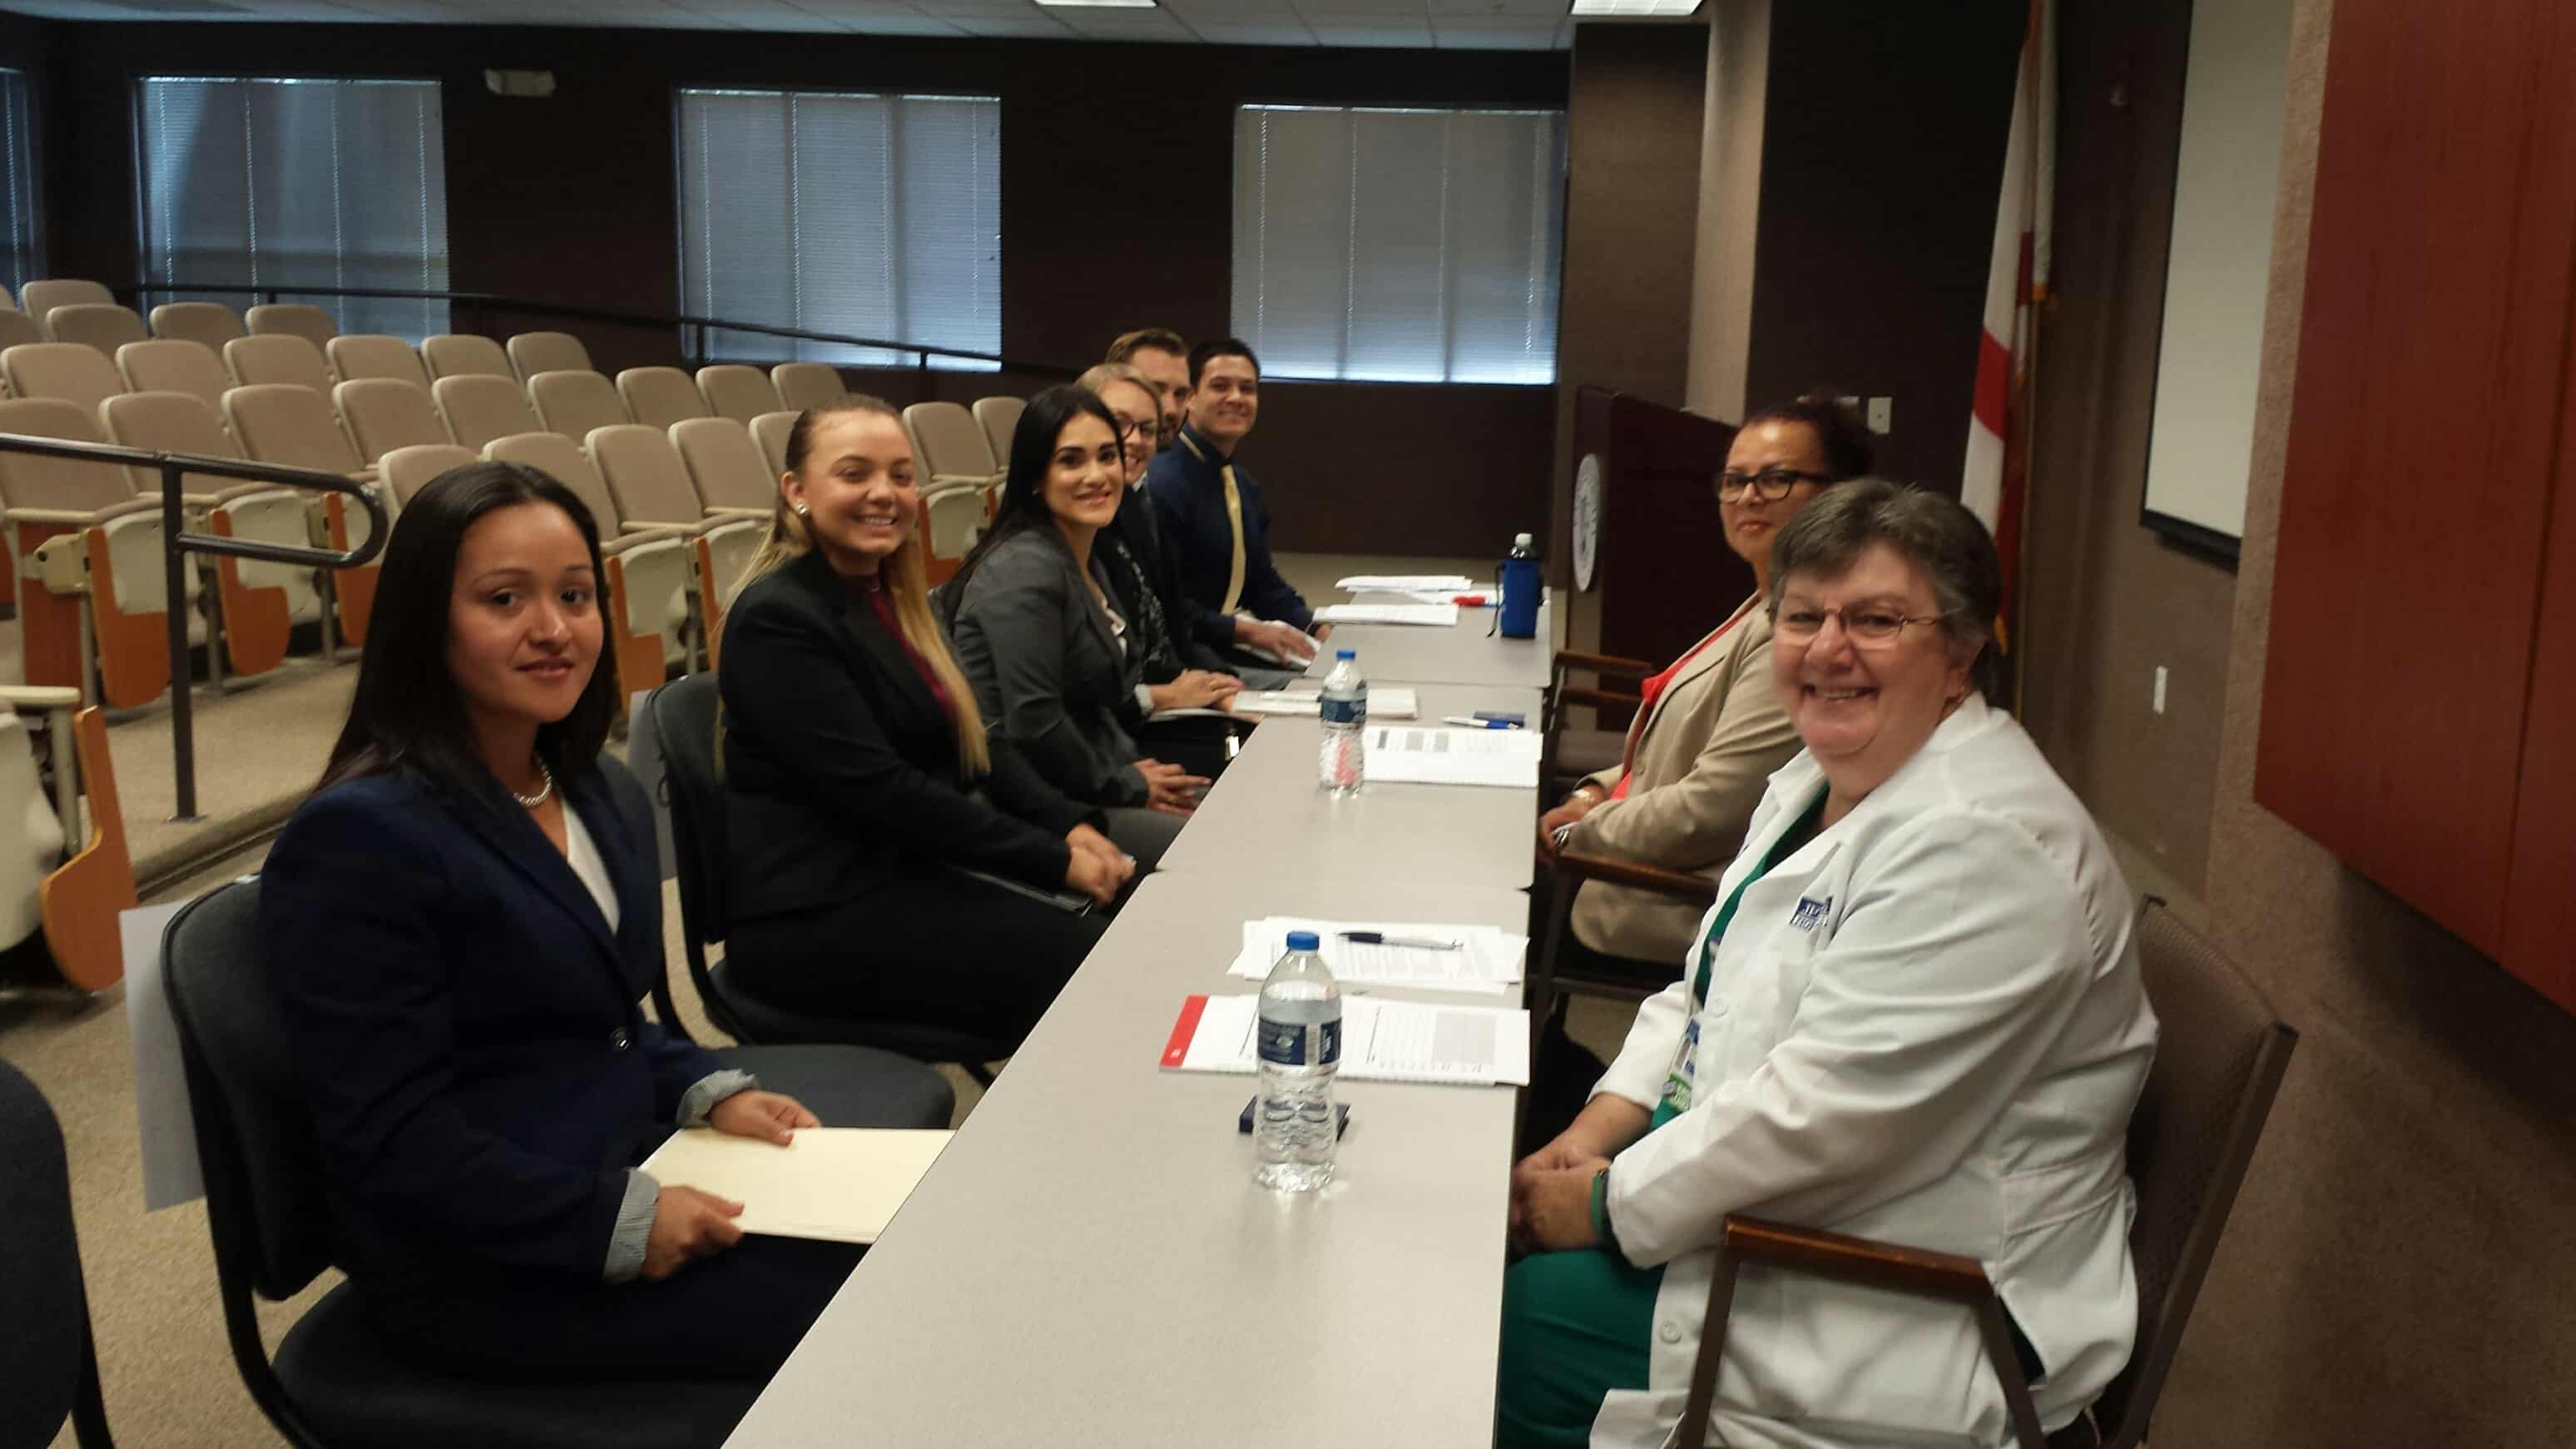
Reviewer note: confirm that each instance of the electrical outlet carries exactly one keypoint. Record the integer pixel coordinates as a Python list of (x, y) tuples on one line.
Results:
[(1882, 415), (2160, 689)]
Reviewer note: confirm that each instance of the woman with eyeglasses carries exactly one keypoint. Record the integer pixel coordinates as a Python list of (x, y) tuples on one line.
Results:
[(1710, 730), (1914, 1016)]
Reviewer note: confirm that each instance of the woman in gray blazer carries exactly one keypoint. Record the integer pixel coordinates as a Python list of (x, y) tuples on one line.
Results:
[(1039, 629)]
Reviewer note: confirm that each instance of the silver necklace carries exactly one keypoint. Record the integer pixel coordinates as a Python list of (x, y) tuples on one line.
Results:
[(544, 792)]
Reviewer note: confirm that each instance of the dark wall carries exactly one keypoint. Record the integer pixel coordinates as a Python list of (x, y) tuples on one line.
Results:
[(1117, 209), (1883, 146)]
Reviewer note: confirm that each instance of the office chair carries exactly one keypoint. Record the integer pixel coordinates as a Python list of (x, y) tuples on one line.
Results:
[(45, 1335)]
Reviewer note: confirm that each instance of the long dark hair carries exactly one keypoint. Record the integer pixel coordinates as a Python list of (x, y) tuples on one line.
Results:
[(1023, 505), (407, 713)]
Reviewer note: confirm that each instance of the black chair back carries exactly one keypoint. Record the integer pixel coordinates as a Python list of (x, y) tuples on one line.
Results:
[(45, 1335), (2220, 1055), (684, 714)]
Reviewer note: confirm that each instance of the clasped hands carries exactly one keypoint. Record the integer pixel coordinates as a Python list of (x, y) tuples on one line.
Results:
[(689, 1223), (1552, 1198), (1095, 866)]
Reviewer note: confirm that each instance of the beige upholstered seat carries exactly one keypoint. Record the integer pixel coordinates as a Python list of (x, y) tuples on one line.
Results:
[(462, 354), (81, 524), (296, 319), (262, 601), (210, 323), (803, 385), (728, 467), (278, 357), (575, 401), (947, 447), (77, 374), (174, 422), (532, 353), (408, 470), (645, 475), (738, 392), (661, 396), (770, 431), (385, 413), (17, 329), (480, 407), (999, 417), (39, 299), (280, 422), (376, 354), (173, 364), (103, 325)]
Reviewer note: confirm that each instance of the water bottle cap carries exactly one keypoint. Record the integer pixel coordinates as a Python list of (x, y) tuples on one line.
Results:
[(1346, 654), (1520, 540), (1303, 941)]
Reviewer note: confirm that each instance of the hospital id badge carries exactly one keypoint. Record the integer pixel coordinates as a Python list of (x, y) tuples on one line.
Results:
[(1677, 1082)]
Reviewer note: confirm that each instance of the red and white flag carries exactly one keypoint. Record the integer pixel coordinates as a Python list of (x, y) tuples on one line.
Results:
[(2016, 276)]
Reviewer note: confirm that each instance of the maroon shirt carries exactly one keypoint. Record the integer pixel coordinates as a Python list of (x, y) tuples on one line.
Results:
[(871, 591)]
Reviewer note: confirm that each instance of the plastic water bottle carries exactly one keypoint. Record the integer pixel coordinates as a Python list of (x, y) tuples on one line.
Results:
[(1520, 589), (1345, 714), (1301, 1049)]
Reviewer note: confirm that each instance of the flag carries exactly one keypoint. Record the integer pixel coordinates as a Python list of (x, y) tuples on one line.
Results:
[(1993, 483)]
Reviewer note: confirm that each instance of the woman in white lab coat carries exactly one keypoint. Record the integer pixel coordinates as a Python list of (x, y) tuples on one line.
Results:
[(1915, 1015)]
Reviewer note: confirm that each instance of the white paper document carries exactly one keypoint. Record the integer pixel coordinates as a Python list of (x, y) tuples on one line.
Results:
[(839, 1184), (1422, 755), (1382, 1041), (1483, 959), (1433, 616), (1406, 583), (1385, 702)]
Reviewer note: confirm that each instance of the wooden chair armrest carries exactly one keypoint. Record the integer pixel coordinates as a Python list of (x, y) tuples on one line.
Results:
[(1859, 1260), (1606, 698), (1616, 664), (1681, 885)]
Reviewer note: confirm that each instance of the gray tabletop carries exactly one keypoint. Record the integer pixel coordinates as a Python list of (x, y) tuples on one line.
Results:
[(1265, 816), (1089, 1263), (1462, 654)]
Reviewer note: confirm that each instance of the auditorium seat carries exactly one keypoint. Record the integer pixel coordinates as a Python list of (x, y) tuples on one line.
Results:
[(262, 602), (76, 373), (574, 401), (173, 364), (286, 423), (803, 385), (738, 392), (17, 329), (210, 323), (770, 431), (39, 299), (405, 471), (385, 413), (294, 319), (480, 407), (532, 353), (648, 583), (999, 417), (88, 561), (278, 357), (462, 354), (376, 354), (731, 472), (660, 396), (103, 325), (653, 489), (948, 449)]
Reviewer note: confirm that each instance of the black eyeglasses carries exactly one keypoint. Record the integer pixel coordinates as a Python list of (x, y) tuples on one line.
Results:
[(1770, 485), (1135, 429)]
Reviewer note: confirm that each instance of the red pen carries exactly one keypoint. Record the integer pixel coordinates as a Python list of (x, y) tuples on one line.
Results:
[(1472, 601)]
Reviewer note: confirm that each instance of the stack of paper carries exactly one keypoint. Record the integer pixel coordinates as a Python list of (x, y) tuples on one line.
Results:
[(1437, 616), (1382, 1040), (1471, 958), (840, 1184), (1406, 583), (1385, 702), (1412, 754)]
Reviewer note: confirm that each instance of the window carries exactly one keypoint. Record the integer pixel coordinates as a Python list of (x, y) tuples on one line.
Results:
[(865, 215), (18, 266), (275, 183), (1399, 245)]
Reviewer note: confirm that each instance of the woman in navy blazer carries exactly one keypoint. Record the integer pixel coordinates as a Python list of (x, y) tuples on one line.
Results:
[(458, 926)]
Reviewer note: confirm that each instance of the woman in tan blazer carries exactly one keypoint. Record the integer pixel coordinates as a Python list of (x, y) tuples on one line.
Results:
[(1711, 730)]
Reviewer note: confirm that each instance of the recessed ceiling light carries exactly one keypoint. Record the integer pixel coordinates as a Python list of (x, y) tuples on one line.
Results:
[(1097, 4), (1666, 8)]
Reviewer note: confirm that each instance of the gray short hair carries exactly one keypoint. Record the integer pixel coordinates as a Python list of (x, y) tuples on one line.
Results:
[(1935, 534)]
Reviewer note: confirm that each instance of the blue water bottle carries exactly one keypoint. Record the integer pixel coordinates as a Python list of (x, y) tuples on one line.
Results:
[(1520, 590)]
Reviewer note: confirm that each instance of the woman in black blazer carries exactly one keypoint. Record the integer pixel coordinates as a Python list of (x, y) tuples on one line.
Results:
[(1043, 635), (890, 858), (458, 926)]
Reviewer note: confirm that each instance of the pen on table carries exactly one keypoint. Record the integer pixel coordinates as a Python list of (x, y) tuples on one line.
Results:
[(1478, 724), (1471, 601), (1417, 943)]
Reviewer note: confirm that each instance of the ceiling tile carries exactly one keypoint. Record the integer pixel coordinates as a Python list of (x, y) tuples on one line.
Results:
[(1255, 34), (1374, 37), (1547, 11), (1012, 27)]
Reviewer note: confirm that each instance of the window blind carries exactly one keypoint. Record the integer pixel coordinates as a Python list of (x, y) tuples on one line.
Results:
[(869, 215), (1399, 245), (17, 186), (275, 183)]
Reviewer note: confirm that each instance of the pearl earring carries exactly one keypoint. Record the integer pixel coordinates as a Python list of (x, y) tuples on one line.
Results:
[(802, 511)]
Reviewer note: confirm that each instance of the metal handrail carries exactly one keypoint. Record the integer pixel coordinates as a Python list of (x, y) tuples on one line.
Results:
[(493, 301), (177, 541)]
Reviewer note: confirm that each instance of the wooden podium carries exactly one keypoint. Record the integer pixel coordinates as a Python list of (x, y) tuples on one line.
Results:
[(1661, 572)]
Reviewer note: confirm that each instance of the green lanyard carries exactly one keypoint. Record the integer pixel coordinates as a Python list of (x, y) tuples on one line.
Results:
[(1677, 1087)]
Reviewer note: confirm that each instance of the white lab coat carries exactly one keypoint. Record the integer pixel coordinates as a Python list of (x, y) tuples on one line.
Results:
[(1924, 1026)]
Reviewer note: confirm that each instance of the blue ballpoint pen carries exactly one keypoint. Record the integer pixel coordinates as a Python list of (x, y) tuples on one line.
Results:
[(1380, 938), (1478, 724)]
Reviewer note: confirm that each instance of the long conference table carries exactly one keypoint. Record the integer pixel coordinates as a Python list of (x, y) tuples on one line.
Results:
[(1090, 1263)]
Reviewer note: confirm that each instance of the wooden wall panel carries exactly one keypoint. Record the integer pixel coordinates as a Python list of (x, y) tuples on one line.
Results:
[(2540, 909), (2422, 438)]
